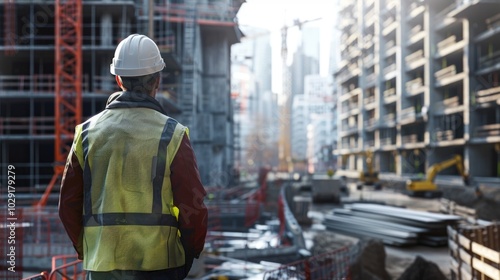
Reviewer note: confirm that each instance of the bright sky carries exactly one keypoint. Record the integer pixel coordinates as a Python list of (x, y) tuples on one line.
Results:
[(273, 14)]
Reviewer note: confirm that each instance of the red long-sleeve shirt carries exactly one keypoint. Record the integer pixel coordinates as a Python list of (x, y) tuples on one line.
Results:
[(187, 190)]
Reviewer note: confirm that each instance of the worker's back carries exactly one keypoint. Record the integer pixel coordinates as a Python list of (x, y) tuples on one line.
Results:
[(124, 212)]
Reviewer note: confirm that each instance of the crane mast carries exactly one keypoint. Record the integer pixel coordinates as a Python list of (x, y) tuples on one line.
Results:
[(68, 84), (285, 159)]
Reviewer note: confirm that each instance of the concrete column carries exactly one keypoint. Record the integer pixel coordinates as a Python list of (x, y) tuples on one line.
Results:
[(124, 24), (213, 95), (400, 76), (429, 53), (430, 97), (468, 90), (106, 86), (106, 30)]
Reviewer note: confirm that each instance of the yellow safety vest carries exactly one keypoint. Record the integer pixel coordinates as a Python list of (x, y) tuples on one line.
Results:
[(130, 221)]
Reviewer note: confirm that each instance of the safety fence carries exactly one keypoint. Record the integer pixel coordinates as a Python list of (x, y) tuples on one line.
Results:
[(64, 267), (42, 276), (44, 234), (327, 266), (38, 235), (475, 251)]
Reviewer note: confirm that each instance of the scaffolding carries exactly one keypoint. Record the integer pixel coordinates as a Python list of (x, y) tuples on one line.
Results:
[(34, 121)]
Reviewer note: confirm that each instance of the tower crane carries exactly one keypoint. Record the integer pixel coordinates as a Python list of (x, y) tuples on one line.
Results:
[(68, 84)]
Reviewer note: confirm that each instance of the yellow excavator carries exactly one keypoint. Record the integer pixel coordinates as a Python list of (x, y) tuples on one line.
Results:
[(426, 187), (370, 176)]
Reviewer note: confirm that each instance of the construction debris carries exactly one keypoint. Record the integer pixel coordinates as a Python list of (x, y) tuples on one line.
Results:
[(370, 262), (422, 269)]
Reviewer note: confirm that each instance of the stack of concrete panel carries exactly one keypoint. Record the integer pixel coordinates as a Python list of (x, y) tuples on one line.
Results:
[(393, 225)]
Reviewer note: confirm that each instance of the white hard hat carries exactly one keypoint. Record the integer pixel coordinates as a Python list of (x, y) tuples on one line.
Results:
[(136, 55)]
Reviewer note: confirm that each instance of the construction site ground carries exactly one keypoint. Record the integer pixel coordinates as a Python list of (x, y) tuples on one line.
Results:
[(398, 259)]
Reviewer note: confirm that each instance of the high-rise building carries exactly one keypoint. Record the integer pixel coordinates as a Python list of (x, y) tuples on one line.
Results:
[(194, 38), (418, 83), (316, 104), (305, 59)]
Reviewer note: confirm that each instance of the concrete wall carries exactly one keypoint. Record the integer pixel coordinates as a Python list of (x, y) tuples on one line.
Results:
[(214, 120)]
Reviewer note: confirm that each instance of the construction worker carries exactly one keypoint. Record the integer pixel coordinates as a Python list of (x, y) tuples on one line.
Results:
[(131, 197)]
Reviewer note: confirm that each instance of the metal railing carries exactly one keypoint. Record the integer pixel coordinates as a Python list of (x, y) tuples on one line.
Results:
[(35, 83), (331, 265), (46, 236), (45, 83), (41, 276), (64, 267), (29, 126), (67, 267)]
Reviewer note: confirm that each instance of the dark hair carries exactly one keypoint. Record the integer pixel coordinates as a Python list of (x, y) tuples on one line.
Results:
[(143, 84)]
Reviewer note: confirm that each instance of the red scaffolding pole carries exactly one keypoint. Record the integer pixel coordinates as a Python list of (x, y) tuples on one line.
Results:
[(68, 83), (9, 27)]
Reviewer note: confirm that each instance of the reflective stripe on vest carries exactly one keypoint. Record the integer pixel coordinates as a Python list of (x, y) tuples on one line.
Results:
[(152, 219)]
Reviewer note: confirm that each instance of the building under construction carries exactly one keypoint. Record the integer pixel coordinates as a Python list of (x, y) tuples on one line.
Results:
[(194, 37), (419, 82)]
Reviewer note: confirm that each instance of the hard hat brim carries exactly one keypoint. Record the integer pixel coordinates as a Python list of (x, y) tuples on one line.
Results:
[(137, 71)]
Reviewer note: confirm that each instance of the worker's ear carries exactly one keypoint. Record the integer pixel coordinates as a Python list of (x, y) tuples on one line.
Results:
[(119, 82), (157, 82)]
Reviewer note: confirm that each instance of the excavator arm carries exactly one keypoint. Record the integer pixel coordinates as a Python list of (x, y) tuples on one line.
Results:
[(428, 185), (436, 168)]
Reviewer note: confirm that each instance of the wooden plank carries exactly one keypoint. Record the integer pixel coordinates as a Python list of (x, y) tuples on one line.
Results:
[(465, 210), (464, 274), (486, 252), (455, 269), (452, 234), (464, 241), (461, 269), (488, 91), (452, 246), (486, 269), (455, 264), (464, 256)]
